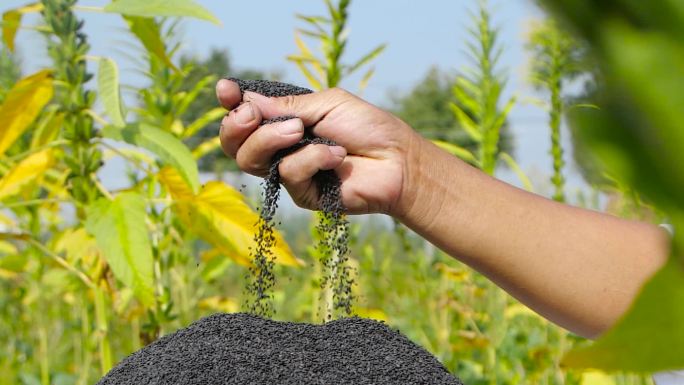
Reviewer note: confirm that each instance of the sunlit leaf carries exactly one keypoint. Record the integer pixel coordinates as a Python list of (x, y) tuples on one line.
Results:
[(220, 216), (168, 148), (457, 150), (11, 21), (210, 116), (597, 378), (527, 183), (47, 129), (186, 101), (28, 170), (218, 303), (206, 147), (466, 122), (363, 83), (649, 337), (367, 58), (108, 87), (147, 31), (152, 8), (22, 105), (77, 245), (121, 234)]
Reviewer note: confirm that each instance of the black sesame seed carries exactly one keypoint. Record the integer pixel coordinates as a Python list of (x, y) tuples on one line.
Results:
[(237, 349)]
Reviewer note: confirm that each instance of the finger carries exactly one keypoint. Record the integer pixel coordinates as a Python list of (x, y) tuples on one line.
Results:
[(311, 108), (297, 169), (257, 151), (237, 126), (228, 93)]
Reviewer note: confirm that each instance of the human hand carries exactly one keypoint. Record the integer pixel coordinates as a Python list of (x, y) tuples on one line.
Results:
[(372, 159)]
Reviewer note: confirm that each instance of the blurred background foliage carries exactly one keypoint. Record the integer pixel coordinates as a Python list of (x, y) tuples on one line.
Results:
[(89, 275)]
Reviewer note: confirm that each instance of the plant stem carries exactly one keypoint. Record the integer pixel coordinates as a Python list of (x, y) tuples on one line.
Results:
[(102, 330)]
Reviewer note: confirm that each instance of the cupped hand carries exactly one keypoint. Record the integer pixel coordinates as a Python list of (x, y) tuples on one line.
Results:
[(372, 159)]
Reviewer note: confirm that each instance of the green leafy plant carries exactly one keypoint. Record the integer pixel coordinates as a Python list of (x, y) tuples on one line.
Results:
[(120, 264), (478, 93), (556, 58), (331, 33)]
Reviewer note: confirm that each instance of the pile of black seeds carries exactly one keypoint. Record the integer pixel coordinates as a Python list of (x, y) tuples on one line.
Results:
[(333, 226), (226, 349)]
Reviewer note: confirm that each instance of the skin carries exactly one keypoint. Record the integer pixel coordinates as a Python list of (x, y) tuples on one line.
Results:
[(579, 268)]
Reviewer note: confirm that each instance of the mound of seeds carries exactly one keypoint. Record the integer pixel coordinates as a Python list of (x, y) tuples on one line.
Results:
[(333, 226), (226, 349)]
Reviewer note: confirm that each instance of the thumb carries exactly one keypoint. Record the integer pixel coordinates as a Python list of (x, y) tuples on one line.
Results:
[(310, 108)]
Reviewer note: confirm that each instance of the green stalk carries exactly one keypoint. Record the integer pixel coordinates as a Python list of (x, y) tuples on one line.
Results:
[(44, 359), (102, 325), (68, 47), (555, 86)]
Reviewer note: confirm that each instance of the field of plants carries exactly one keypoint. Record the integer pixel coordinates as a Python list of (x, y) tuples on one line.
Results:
[(90, 274)]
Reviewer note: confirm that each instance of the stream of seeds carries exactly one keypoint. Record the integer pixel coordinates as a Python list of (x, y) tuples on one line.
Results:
[(332, 228)]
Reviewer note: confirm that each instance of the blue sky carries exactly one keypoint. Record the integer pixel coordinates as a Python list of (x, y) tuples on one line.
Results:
[(259, 34)]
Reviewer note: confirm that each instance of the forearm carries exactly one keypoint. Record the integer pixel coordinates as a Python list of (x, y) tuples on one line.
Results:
[(579, 268)]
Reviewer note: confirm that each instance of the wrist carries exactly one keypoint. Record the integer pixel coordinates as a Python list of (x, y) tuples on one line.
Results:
[(427, 184)]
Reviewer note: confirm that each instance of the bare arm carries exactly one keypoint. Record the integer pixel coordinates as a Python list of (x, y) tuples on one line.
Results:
[(576, 267), (579, 268)]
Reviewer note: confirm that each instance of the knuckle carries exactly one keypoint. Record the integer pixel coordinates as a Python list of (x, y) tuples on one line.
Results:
[(289, 102), (289, 171), (320, 152), (339, 92), (245, 163)]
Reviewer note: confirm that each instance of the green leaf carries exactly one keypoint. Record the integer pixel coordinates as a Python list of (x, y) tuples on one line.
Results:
[(367, 58), (168, 148), (152, 8), (121, 234), (466, 122), (457, 150), (650, 337), (201, 122), (147, 31), (527, 183), (108, 84)]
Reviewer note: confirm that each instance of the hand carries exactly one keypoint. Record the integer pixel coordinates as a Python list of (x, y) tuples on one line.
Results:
[(372, 159)]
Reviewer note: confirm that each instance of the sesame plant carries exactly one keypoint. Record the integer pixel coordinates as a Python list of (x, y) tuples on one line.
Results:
[(89, 273), (328, 71), (556, 58)]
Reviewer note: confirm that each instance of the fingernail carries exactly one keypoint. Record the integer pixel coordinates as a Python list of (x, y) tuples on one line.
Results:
[(290, 127), (338, 151), (244, 114)]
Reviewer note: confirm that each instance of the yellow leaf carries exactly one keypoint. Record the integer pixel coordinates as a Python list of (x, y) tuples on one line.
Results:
[(519, 309), (454, 274), (22, 105), (218, 303), (7, 248), (175, 184), (206, 147), (11, 20), (596, 378), (27, 171), (78, 245), (220, 216), (371, 313), (46, 131)]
